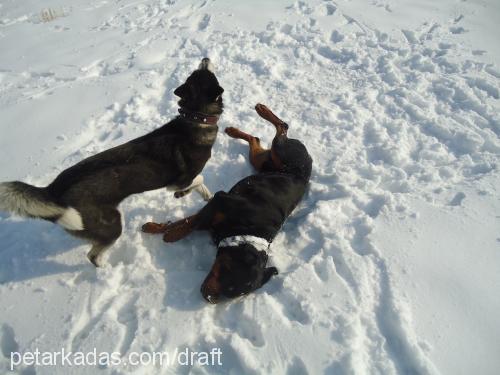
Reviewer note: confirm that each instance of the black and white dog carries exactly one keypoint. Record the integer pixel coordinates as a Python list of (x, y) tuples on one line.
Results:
[(83, 199)]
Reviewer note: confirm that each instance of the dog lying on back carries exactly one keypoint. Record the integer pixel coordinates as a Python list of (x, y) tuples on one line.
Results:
[(83, 199), (244, 221)]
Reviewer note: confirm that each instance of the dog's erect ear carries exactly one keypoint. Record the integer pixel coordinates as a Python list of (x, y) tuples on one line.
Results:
[(181, 91), (186, 90), (268, 273)]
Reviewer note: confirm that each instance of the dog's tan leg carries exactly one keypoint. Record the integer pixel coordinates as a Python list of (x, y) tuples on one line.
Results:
[(155, 228), (281, 132), (257, 154), (238, 134), (173, 232), (179, 229), (280, 125)]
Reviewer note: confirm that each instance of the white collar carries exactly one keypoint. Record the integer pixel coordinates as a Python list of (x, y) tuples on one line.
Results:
[(257, 242)]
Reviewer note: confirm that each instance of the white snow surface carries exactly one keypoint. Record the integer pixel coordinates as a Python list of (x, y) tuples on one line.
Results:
[(390, 263)]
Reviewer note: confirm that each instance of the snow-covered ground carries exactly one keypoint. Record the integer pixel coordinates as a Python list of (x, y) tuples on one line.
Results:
[(389, 265)]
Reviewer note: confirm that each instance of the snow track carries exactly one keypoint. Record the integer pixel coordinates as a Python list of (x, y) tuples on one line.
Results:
[(387, 117)]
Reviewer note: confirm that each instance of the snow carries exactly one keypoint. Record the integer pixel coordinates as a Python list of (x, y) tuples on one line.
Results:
[(389, 263), (444, 242)]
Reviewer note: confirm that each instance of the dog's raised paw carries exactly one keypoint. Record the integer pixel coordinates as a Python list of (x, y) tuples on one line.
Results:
[(232, 132)]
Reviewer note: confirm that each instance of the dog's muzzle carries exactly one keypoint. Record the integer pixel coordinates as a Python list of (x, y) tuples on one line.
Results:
[(208, 293), (206, 64)]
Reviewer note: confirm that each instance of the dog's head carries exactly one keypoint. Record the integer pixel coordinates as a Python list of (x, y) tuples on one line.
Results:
[(201, 92), (237, 270)]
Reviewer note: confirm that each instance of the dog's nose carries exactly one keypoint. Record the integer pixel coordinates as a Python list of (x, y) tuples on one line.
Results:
[(211, 299), (208, 296), (209, 292), (206, 64)]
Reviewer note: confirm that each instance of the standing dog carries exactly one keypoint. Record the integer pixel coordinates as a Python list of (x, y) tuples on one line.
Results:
[(83, 199), (245, 220)]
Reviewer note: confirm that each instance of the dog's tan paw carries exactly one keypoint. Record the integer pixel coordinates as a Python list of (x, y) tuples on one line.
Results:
[(154, 228), (232, 132)]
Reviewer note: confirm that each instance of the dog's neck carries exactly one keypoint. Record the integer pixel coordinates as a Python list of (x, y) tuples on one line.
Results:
[(198, 117), (257, 242)]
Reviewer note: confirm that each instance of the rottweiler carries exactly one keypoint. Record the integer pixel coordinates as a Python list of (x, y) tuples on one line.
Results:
[(83, 199), (244, 221)]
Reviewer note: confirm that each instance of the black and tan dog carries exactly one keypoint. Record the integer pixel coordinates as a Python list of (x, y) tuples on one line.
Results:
[(244, 221), (83, 199)]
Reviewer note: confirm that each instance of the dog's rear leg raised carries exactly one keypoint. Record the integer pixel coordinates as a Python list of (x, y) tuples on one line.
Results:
[(258, 155), (280, 125)]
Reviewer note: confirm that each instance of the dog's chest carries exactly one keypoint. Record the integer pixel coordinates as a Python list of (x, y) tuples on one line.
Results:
[(203, 134)]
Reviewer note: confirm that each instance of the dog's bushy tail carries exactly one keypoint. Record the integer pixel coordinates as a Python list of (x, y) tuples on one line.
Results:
[(31, 201)]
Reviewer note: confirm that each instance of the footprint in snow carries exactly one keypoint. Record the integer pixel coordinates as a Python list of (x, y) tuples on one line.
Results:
[(204, 22), (457, 30), (8, 343), (297, 367), (457, 199)]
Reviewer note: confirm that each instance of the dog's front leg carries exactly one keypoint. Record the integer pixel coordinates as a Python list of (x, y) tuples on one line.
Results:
[(179, 229), (198, 186), (203, 220), (155, 228), (173, 232), (204, 192)]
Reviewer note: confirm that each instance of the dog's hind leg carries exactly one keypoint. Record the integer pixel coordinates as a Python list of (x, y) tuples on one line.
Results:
[(258, 155), (238, 134), (280, 125), (95, 253), (102, 228)]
